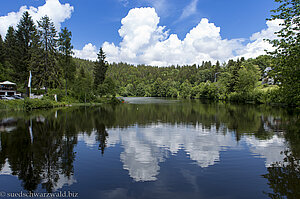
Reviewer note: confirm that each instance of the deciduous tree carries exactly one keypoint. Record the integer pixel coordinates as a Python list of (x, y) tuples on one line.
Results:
[(287, 53)]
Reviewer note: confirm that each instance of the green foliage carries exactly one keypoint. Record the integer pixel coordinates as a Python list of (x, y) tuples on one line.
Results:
[(100, 69), (47, 71), (185, 89), (11, 51), (69, 100), (129, 90), (247, 77), (58, 92), (82, 88), (2, 51), (267, 95), (25, 33), (12, 104), (107, 88), (235, 80), (66, 63), (140, 90), (287, 53), (206, 90), (30, 104)]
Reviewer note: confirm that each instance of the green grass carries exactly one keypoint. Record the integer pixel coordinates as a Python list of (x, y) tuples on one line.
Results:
[(45, 103)]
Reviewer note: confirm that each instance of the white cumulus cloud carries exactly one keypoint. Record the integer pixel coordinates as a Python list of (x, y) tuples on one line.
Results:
[(89, 51), (52, 8), (258, 45), (144, 41)]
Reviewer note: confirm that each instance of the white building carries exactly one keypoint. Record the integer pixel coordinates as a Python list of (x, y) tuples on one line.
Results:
[(8, 88)]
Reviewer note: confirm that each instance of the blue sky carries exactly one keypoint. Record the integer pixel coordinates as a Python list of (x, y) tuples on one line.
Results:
[(97, 21)]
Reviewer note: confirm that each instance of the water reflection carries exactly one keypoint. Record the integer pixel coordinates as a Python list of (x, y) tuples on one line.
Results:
[(38, 151), (284, 177), (269, 149), (39, 148), (146, 147)]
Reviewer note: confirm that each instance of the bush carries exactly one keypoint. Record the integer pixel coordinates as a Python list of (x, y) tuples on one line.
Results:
[(267, 95), (69, 100), (60, 94), (237, 97), (12, 104), (30, 104)]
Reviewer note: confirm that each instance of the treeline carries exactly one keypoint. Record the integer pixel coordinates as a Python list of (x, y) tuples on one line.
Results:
[(241, 80), (39, 48), (272, 78)]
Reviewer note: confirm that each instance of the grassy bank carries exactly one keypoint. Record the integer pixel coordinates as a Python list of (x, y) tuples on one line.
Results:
[(45, 103), (29, 104)]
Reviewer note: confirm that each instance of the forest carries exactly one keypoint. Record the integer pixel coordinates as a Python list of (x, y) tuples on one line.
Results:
[(38, 47)]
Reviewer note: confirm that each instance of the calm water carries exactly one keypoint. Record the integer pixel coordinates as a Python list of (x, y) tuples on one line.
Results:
[(152, 148)]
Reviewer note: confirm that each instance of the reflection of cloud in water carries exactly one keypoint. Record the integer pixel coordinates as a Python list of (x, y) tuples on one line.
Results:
[(89, 139), (145, 147), (6, 170), (269, 149), (62, 181)]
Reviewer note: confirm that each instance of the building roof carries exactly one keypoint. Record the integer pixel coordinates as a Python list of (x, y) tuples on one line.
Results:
[(7, 83)]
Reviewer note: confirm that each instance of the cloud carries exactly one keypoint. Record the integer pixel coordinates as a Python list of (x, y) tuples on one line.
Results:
[(257, 44), (89, 51), (53, 8), (189, 10), (144, 41), (147, 147)]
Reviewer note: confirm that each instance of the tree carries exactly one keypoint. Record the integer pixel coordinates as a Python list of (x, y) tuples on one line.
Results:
[(100, 69), (185, 89), (107, 88), (37, 62), (82, 86), (248, 76), (2, 51), (287, 53), (48, 41), (26, 30), (10, 46), (65, 48)]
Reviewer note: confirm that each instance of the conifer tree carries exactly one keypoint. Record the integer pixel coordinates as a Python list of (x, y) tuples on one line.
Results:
[(65, 48), (36, 62), (100, 69), (25, 32), (48, 42), (10, 46), (2, 51)]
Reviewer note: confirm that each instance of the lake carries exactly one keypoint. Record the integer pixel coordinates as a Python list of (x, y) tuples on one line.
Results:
[(152, 148)]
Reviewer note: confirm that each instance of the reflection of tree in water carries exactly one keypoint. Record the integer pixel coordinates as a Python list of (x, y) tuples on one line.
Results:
[(103, 116), (42, 160), (284, 177), (101, 136), (51, 153)]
